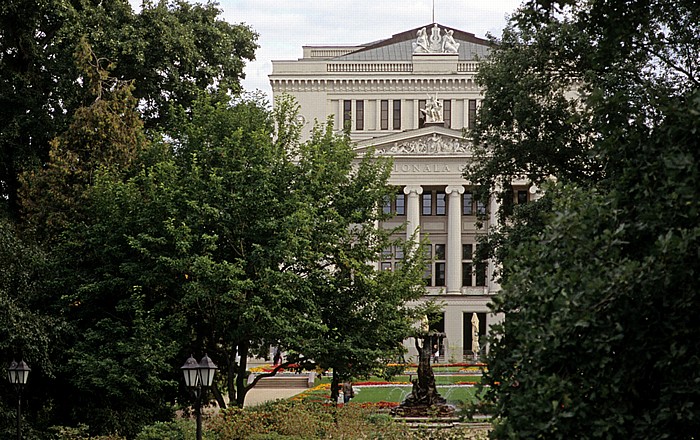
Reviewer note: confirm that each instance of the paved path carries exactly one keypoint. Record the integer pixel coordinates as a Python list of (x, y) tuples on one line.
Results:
[(259, 395)]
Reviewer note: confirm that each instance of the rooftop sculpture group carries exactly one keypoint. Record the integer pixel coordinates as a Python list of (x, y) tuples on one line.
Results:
[(436, 43)]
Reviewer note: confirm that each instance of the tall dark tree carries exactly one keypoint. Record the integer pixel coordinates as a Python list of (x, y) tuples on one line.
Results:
[(595, 289)]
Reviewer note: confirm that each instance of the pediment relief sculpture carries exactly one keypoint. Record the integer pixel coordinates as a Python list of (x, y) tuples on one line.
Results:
[(432, 144), (436, 43)]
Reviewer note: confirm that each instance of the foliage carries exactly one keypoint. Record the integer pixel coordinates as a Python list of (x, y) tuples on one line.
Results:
[(173, 50), (106, 134), (221, 241), (290, 420), (598, 276)]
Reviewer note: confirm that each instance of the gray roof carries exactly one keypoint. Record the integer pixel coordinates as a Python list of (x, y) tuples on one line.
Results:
[(400, 47)]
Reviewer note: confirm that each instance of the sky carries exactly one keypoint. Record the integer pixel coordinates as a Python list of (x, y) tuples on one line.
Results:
[(284, 26)]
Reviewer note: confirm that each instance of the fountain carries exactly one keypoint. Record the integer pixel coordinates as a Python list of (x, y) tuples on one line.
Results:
[(424, 400)]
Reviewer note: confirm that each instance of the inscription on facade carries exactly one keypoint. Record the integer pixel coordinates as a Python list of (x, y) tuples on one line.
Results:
[(422, 168)]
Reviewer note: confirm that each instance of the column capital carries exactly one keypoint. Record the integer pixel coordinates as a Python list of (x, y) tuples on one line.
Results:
[(459, 189), (408, 189)]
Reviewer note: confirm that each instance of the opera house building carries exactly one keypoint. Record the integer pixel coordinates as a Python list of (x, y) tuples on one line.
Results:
[(410, 97)]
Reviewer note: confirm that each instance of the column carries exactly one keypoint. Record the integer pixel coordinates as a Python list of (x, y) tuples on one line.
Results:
[(413, 193), (378, 115), (454, 238)]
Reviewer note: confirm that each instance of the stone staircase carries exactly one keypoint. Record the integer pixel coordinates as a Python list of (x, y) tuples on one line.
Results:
[(287, 381)]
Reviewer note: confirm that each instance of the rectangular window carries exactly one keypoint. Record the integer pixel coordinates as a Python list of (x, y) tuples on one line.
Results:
[(521, 197), (427, 203), (439, 274), (480, 207), (397, 114), (384, 115), (386, 205), (428, 255), (439, 264), (347, 114), (447, 112), (421, 113), (359, 114), (439, 251), (468, 203), (428, 275), (440, 203), (466, 274), (401, 203), (471, 113), (467, 251), (481, 273)]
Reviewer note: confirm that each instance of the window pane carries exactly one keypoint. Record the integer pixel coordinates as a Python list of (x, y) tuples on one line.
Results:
[(427, 203), (398, 252), (481, 274), (401, 203), (439, 274), (440, 203), (421, 115), (386, 266), (386, 205), (480, 207), (447, 112), (522, 197), (428, 275), (467, 251), (384, 115), (439, 251), (359, 115), (386, 253), (427, 252), (472, 113), (468, 203), (397, 114), (347, 114), (466, 274)]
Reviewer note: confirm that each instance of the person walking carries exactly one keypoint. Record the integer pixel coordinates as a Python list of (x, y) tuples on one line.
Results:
[(348, 392)]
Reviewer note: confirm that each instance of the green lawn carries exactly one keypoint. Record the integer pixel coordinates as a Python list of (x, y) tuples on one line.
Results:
[(439, 380), (398, 393)]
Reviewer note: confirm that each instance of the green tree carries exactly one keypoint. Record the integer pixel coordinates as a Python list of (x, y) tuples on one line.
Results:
[(171, 50), (364, 312), (27, 330), (598, 275)]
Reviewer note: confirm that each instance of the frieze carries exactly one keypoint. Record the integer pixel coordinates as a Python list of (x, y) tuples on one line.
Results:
[(433, 144)]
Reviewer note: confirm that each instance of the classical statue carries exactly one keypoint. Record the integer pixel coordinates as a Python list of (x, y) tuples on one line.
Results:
[(433, 109), (421, 44), (449, 45), (436, 43)]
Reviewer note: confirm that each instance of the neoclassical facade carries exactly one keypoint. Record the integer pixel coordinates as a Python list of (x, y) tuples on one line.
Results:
[(410, 97)]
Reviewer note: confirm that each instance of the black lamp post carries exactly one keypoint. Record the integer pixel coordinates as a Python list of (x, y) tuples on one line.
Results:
[(17, 374), (198, 377)]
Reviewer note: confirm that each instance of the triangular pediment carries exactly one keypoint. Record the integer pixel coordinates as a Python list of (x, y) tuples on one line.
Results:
[(400, 46), (430, 141)]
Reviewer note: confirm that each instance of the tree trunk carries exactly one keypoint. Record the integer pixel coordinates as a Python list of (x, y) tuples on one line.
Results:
[(335, 385), (240, 377)]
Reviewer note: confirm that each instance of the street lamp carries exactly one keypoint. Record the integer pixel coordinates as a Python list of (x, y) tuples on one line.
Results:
[(198, 377), (17, 374)]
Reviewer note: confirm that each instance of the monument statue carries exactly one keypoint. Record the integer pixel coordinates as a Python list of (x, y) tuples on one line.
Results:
[(424, 398), (436, 43), (433, 109)]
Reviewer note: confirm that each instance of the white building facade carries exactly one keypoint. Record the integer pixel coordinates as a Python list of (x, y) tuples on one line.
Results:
[(410, 97)]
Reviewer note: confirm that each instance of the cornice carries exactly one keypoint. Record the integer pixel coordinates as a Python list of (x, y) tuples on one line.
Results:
[(408, 84)]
